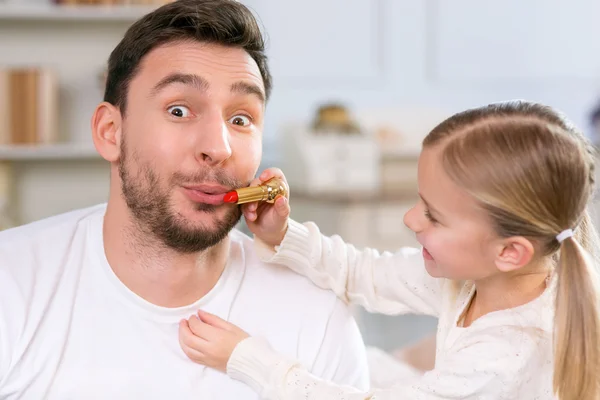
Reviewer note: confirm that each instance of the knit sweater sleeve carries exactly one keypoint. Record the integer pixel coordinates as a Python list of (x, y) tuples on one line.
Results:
[(500, 364), (387, 283)]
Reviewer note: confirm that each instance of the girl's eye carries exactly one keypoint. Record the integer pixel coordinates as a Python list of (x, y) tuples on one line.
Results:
[(429, 217), (179, 111), (240, 120)]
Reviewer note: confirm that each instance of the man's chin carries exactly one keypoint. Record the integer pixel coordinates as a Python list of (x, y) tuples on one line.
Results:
[(204, 213), (207, 217), (195, 235), (206, 208)]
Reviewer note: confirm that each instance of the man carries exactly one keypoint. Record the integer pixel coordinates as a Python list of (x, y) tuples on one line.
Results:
[(90, 300)]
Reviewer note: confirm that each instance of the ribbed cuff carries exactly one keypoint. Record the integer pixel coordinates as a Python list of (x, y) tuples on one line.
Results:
[(256, 364), (295, 245)]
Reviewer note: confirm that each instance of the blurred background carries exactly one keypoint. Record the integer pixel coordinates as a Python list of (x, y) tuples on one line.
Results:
[(357, 85)]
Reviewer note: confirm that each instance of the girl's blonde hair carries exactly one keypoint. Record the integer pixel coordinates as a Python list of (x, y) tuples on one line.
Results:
[(534, 173)]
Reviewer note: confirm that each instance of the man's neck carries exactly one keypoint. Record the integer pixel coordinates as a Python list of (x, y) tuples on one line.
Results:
[(154, 272)]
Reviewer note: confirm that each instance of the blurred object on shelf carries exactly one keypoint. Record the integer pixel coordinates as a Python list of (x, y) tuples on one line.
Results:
[(399, 132), (399, 173), (28, 106), (401, 129), (334, 118), (381, 159), (387, 135), (333, 158)]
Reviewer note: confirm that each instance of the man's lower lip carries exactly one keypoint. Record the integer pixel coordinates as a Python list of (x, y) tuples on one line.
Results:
[(206, 198)]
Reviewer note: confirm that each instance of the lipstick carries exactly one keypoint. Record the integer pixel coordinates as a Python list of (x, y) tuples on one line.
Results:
[(268, 192)]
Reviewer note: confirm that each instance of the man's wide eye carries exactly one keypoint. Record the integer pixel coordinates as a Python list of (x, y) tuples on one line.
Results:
[(240, 120), (179, 111)]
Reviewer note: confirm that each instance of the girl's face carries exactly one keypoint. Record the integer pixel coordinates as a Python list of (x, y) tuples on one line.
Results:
[(456, 234)]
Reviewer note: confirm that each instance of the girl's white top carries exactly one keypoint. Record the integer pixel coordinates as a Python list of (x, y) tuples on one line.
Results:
[(505, 354)]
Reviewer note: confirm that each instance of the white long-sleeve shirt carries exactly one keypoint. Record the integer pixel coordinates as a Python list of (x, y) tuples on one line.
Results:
[(502, 355)]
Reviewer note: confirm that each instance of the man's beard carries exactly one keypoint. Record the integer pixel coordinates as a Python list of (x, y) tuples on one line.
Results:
[(149, 204)]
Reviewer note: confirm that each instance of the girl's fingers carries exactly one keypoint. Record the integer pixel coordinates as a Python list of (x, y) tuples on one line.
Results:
[(282, 207), (202, 330), (189, 340), (249, 214), (271, 173), (215, 321)]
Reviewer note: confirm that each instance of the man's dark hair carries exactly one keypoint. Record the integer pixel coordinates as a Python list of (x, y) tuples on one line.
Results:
[(223, 22)]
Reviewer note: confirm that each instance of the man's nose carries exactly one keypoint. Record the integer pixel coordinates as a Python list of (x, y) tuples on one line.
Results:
[(213, 145)]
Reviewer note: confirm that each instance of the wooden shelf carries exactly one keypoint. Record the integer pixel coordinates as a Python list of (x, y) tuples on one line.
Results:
[(56, 152), (49, 12)]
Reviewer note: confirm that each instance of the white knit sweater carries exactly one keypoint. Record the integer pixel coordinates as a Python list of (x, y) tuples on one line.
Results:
[(503, 355)]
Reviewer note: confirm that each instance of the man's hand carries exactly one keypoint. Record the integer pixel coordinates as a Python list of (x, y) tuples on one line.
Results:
[(268, 222), (209, 340)]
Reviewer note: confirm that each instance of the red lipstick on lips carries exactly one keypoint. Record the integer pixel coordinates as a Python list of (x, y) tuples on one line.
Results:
[(231, 197)]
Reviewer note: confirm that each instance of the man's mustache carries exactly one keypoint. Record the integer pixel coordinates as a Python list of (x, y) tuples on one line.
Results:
[(213, 176)]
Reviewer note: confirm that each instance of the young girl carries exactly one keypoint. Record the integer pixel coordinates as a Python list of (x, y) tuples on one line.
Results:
[(506, 264)]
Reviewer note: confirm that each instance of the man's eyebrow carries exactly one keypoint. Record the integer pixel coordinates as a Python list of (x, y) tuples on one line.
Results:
[(248, 88), (192, 80), (429, 205)]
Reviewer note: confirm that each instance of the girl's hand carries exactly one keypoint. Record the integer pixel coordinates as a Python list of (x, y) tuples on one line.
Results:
[(266, 221), (209, 340)]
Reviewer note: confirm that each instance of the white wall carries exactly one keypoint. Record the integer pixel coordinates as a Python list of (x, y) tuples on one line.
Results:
[(368, 54), (447, 54)]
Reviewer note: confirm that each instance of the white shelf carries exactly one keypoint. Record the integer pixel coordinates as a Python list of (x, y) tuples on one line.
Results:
[(60, 13), (54, 152), (400, 153)]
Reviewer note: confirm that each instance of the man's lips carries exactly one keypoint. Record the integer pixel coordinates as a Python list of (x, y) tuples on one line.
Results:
[(206, 193), (208, 188)]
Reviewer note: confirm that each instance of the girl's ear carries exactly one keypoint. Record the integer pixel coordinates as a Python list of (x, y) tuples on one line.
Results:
[(514, 253)]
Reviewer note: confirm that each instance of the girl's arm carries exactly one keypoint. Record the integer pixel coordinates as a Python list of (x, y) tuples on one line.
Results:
[(481, 368), (387, 283)]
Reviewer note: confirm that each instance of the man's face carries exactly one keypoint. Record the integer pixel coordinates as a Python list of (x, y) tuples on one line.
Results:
[(191, 132)]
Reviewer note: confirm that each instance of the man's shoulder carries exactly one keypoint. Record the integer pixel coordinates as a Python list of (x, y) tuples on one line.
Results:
[(279, 281), (38, 246), (33, 257), (47, 230)]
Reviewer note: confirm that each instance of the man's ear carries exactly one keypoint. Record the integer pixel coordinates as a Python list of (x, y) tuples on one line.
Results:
[(106, 131), (514, 253)]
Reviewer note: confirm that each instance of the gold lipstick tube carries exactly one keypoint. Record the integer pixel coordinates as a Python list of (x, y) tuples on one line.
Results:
[(268, 192)]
